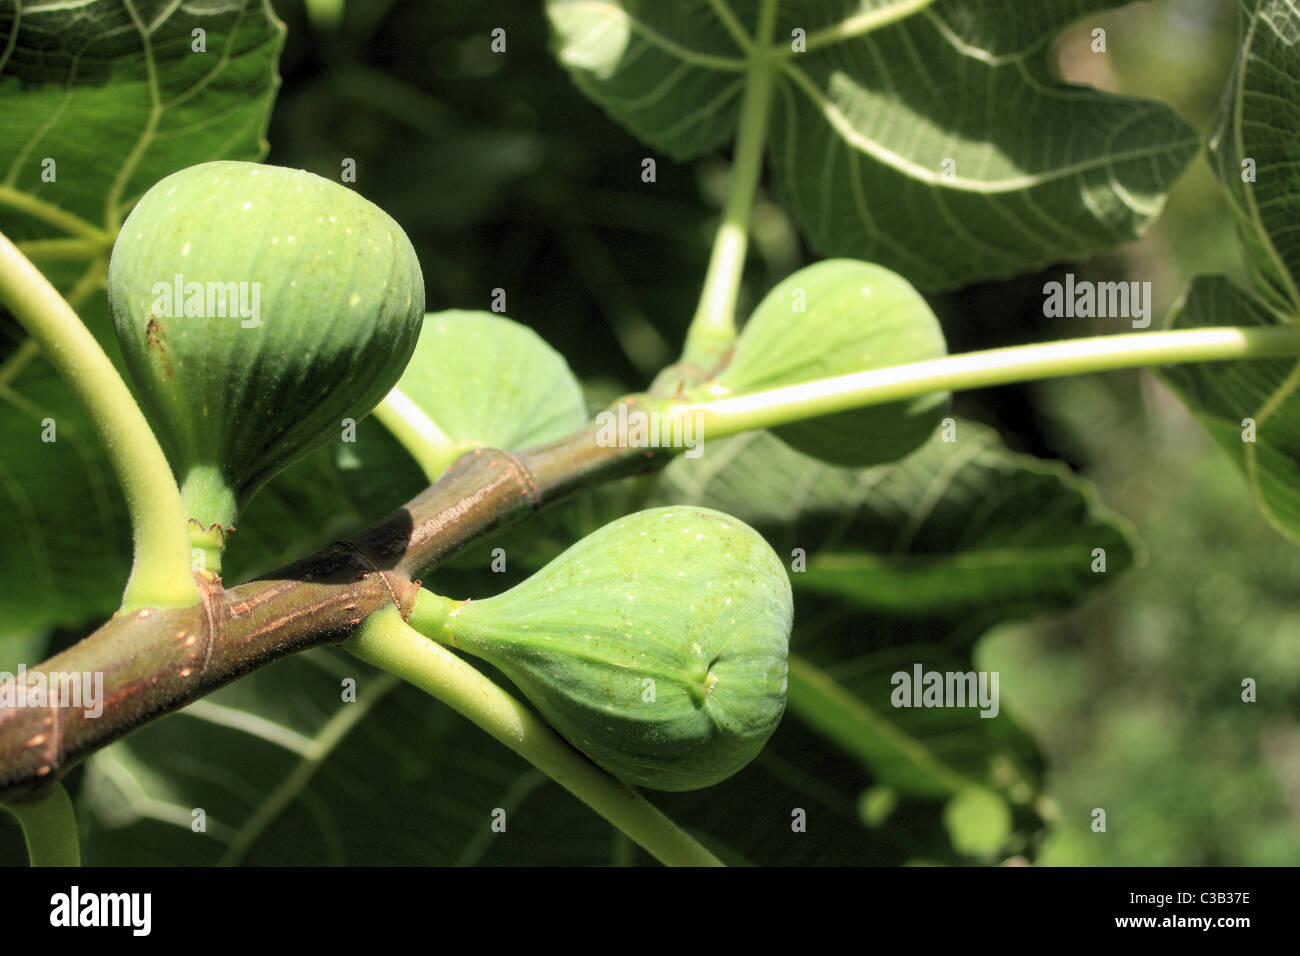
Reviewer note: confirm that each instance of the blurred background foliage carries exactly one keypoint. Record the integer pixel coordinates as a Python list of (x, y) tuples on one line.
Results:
[(1135, 696)]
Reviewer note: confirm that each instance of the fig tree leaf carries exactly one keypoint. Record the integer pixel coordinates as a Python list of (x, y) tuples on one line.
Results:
[(804, 769), (800, 775), (887, 741), (117, 96), (965, 532), (288, 773), (1250, 408), (672, 74), (1254, 149), (844, 687), (931, 136), (66, 552)]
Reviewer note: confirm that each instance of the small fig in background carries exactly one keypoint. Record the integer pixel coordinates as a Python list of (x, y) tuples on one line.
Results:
[(833, 318), (482, 380), (257, 307), (656, 645), (489, 381)]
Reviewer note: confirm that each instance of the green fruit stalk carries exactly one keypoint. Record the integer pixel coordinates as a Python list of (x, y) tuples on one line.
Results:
[(657, 645), (833, 318), (257, 308)]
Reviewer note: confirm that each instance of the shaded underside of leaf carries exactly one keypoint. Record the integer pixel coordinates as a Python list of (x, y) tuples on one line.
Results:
[(950, 531), (1227, 398), (288, 772), (670, 73), (1254, 149), (117, 96), (67, 550)]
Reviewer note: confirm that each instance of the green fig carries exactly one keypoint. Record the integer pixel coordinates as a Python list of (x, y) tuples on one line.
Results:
[(257, 308), (833, 318), (656, 645), (481, 381), (486, 380)]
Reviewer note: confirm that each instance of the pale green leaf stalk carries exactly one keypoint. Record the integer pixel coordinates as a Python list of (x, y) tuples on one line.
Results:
[(431, 447), (779, 406), (50, 828), (411, 651), (713, 328), (161, 574)]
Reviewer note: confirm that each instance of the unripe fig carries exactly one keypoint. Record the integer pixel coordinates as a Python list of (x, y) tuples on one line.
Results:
[(833, 318), (257, 308), (482, 380), (489, 381), (656, 645)]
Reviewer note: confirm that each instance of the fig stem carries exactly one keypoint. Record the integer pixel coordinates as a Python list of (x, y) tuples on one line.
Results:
[(1022, 363), (390, 643), (160, 575), (50, 828), (431, 447), (713, 328), (207, 546), (429, 615)]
